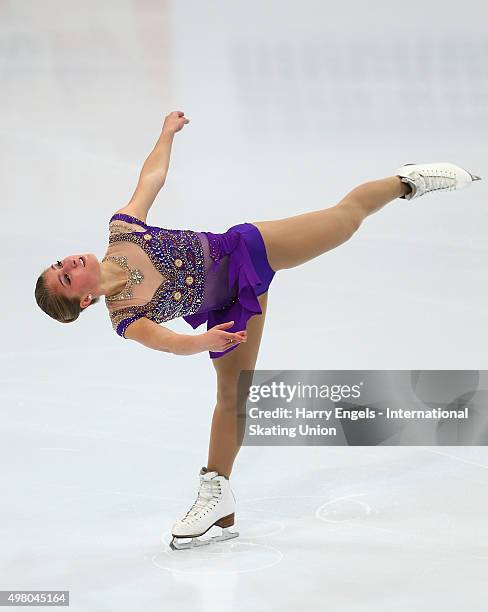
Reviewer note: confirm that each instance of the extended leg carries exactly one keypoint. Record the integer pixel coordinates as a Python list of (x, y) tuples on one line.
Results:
[(294, 240)]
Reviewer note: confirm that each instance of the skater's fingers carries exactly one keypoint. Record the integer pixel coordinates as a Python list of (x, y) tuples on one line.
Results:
[(221, 325), (234, 337), (219, 340)]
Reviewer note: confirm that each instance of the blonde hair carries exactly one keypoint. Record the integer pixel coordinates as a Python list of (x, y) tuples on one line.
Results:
[(59, 307)]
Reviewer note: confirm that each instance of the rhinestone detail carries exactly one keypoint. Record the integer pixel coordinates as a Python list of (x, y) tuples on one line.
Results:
[(213, 246), (175, 297), (233, 301), (135, 277)]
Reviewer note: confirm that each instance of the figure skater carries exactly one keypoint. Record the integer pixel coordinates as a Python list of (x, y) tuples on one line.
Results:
[(150, 275)]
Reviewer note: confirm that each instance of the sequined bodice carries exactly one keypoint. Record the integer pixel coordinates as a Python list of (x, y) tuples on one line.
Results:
[(166, 272)]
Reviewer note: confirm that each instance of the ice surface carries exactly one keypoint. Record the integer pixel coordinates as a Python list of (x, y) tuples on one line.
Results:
[(291, 105)]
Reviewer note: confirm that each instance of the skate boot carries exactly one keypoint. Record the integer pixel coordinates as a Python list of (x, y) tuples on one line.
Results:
[(215, 505), (424, 178)]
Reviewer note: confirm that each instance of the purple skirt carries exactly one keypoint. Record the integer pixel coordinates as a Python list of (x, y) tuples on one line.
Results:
[(237, 272)]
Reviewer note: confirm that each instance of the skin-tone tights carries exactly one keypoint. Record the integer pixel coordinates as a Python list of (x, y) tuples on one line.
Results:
[(289, 242)]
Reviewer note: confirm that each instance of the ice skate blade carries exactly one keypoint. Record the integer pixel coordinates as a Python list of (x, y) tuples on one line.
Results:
[(196, 542), (474, 177)]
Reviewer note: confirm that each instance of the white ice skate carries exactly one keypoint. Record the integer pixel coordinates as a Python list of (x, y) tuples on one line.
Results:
[(215, 505), (424, 178)]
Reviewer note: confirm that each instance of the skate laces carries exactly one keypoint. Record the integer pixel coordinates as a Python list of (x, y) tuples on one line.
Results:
[(209, 491), (438, 179)]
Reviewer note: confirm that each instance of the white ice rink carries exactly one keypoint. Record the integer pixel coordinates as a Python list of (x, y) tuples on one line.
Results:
[(291, 105)]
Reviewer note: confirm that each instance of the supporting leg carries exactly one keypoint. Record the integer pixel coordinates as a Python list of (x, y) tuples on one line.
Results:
[(227, 430)]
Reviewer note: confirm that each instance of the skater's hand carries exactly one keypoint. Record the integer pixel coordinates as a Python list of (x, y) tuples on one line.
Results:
[(174, 122), (218, 340)]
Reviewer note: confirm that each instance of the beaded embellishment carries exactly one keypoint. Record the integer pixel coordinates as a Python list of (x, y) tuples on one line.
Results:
[(214, 246), (135, 278), (117, 228), (178, 256)]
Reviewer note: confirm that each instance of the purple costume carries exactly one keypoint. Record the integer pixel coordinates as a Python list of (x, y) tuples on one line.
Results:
[(200, 276)]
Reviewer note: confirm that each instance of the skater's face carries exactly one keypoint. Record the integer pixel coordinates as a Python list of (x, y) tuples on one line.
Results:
[(74, 276)]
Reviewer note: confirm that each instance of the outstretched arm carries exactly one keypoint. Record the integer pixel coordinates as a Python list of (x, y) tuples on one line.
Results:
[(155, 168), (161, 338)]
